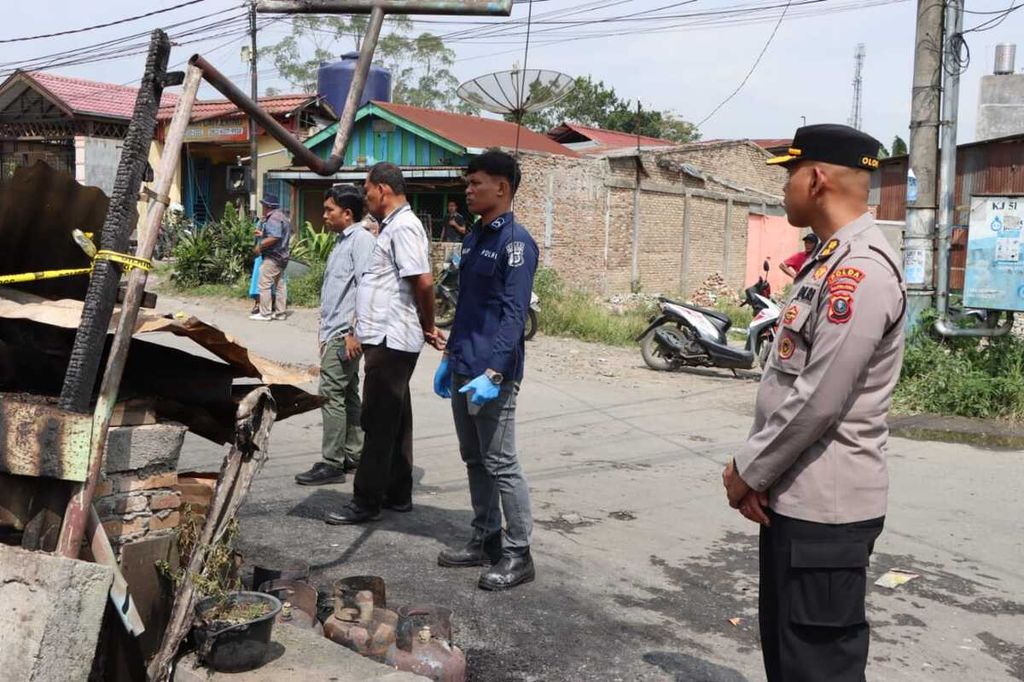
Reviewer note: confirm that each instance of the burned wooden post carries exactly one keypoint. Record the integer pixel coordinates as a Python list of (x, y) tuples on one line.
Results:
[(83, 366), (78, 508)]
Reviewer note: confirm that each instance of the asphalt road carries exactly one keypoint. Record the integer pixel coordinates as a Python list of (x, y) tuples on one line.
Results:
[(640, 562)]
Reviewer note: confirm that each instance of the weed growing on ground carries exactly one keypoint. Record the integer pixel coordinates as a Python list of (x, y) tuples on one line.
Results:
[(982, 378)]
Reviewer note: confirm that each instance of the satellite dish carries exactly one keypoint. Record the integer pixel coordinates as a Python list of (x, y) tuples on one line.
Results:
[(516, 92)]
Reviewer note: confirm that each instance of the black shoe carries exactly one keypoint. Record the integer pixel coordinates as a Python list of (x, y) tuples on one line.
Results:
[(476, 552), (321, 473), (403, 508), (352, 514), (349, 467), (507, 573)]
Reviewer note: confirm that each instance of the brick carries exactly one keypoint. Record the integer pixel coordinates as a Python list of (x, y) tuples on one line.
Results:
[(120, 504), (120, 528), (163, 501), (104, 487), (171, 520), (126, 484)]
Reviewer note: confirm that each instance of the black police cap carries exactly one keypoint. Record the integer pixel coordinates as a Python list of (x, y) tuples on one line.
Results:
[(831, 143)]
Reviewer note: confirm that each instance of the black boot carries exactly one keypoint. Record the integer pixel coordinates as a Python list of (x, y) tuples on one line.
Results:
[(352, 514), (321, 473), (477, 552), (507, 573)]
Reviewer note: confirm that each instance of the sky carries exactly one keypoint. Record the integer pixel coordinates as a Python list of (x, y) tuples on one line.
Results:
[(806, 71)]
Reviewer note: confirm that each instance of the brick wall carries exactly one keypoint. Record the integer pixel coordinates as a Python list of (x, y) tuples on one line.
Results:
[(739, 161), (135, 497), (590, 204)]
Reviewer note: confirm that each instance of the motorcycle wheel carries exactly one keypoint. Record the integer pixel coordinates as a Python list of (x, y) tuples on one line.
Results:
[(652, 353), (531, 324), (763, 349), (444, 311)]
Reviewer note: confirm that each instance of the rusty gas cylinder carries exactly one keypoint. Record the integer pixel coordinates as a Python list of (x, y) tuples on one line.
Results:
[(423, 645), (299, 603), (364, 628)]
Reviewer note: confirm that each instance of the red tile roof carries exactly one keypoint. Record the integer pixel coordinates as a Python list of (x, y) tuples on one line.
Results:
[(222, 108), (608, 140), (83, 96), (475, 132)]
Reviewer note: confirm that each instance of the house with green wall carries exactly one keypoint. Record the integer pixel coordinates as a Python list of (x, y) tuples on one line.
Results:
[(433, 149)]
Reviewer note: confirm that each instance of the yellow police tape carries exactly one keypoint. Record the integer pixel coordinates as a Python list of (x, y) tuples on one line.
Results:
[(125, 260)]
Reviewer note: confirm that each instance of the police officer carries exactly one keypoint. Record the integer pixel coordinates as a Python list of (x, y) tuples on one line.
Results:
[(813, 471), (481, 373)]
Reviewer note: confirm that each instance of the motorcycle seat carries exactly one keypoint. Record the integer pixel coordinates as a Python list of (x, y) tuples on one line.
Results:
[(719, 319)]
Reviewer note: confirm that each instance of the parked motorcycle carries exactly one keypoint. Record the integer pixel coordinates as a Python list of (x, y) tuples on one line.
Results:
[(685, 335), (446, 296)]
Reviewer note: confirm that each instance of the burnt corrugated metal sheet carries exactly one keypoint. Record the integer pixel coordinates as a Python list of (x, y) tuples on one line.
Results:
[(990, 167)]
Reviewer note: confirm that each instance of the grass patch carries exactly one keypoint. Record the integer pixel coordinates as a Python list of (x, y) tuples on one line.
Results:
[(575, 313), (981, 378)]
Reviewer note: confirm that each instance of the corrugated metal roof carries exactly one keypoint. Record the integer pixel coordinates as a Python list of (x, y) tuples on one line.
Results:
[(276, 105), (86, 97), (602, 141), (474, 132)]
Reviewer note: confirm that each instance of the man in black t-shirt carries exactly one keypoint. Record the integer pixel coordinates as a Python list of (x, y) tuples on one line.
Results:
[(454, 224)]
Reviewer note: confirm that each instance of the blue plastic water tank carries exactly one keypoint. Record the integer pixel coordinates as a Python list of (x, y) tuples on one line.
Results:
[(333, 80)]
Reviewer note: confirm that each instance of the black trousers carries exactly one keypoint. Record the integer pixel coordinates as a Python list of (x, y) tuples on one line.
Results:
[(385, 467), (811, 599)]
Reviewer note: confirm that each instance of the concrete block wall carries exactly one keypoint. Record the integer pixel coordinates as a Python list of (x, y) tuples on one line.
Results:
[(738, 161), (135, 497)]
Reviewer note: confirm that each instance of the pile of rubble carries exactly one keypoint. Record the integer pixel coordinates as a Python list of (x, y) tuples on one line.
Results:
[(712, 290)]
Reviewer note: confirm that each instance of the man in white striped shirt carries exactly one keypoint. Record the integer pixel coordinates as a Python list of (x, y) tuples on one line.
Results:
[(394, 316)]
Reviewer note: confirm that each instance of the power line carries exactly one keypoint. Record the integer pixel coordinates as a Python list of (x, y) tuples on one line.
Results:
[(106, 25), (752, 68)]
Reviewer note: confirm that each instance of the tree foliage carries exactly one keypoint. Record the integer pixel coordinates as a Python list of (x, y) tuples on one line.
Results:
[(594, 104), (899, 146), (420, 65)]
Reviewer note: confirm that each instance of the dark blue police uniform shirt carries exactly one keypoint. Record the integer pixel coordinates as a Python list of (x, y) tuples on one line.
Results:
[(495, 282)]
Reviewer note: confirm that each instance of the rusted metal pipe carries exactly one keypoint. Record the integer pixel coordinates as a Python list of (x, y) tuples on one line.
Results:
[(303, 154), (77, 514), (500, 8)]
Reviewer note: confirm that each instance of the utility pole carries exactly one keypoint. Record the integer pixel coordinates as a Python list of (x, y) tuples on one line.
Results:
[(946, 215), (254, 156), (919, 233), (856, 110)]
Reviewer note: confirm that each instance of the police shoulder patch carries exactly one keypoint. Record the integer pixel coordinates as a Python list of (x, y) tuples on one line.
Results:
[(786, 347), (790, 314), (820, 272), (515, 253), (840, 308)]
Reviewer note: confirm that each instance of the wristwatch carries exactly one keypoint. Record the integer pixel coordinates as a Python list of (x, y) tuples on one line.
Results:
[(495, 377)]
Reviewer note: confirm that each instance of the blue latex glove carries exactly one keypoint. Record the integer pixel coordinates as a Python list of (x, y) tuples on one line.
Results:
[(443, 379), (484, 390)]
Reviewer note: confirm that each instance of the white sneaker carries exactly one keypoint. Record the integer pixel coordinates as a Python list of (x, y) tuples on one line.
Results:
[(261, 318)]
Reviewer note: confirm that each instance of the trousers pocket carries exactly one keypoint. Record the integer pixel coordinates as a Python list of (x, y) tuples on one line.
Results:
[(827, 584)]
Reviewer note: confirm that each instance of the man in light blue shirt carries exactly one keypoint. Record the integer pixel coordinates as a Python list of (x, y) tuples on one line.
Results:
[(339, 349)]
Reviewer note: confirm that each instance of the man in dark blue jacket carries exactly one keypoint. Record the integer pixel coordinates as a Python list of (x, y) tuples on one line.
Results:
[(482, 370)]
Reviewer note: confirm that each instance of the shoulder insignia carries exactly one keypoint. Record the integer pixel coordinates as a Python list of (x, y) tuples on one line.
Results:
[(840, 308), (828, 249), (786, 347), (820, 272), (790, 314), (515, 253)]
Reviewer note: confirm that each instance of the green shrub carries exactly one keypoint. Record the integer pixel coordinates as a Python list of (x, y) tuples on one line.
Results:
[(218, 253), (311, 246), (305, 291), (981, 378)]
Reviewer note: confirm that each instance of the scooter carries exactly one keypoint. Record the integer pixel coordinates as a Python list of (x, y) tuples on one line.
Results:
[(685, 335), (446, 297)]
